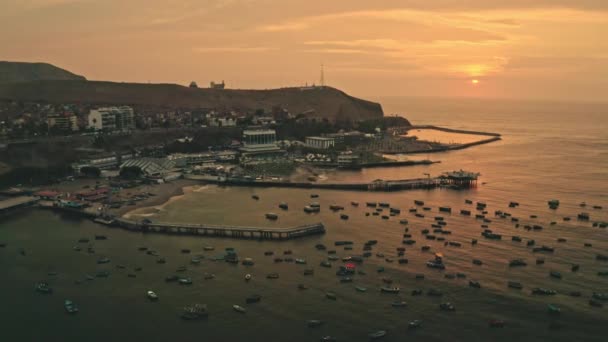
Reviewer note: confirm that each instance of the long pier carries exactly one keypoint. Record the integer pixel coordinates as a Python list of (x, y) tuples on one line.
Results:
[(208, 230), (380, 185)]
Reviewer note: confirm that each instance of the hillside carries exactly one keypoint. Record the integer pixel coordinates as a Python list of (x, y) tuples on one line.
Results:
[(13, 72), (322, 102)]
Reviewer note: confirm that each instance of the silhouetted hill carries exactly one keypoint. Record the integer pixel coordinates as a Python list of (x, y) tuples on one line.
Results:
[(319, 102), (13, 72)]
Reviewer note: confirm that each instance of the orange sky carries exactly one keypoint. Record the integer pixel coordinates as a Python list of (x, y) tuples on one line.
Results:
[(545, 49)]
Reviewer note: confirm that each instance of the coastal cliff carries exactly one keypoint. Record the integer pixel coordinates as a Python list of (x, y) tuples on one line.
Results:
[(314, 102), (17, 72)]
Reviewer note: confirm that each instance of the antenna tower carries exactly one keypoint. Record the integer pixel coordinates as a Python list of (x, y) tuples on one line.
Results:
[(322, 76)]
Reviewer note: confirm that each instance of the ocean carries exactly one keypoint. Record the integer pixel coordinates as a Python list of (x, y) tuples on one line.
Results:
[(548, 151)]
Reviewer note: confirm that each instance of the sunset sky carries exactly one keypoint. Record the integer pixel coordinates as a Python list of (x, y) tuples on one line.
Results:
[(529, 49)]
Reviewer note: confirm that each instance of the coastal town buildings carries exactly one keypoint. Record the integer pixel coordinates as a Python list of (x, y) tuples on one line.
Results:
[(322, 143), (66, 121), (104, 161), (112, 118)]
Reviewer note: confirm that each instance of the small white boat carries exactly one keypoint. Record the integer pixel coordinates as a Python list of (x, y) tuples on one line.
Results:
[(239, 308), (247, 277), (152, 295), (377, 334)]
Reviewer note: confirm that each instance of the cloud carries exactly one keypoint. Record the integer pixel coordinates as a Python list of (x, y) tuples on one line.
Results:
[(236, 49)]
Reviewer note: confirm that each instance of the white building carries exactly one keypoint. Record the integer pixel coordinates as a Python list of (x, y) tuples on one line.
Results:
[(322, 143), (112, 118), (261, 142)]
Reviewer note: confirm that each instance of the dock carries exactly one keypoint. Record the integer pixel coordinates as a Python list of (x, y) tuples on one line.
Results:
[(377, 185), (224, 231), (205, 230)]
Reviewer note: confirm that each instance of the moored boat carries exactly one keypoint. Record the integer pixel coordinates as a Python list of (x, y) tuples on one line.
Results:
[(377, 334), (152, 295), (70, 307), (388, 289), (239, 308)]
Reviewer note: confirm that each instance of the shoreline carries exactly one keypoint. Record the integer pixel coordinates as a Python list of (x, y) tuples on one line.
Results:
[(164, 194)]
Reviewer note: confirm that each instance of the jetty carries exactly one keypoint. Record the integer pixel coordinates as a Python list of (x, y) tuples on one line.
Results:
[(208, 230), (193, 229), (455, 179)]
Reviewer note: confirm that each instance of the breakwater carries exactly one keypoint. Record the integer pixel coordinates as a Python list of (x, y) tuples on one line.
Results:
[(206, 230)]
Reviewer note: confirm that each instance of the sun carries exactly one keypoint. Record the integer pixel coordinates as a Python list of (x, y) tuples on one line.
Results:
[(475, 82)]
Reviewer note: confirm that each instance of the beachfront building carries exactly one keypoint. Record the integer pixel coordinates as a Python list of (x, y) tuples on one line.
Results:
[(104, 161), (322, 143), (260, 144), (151, 167), (112, 118)]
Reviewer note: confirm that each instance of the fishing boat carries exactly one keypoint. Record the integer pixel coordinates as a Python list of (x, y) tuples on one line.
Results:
[(517, 262), (387, 289), (185, 281), (515, 285), (152, 295), (196, 311), (414, 324), (475, 284), (43, 287), (447, 307), (360, 288), (554, 309), (70, 307), (377, 334), (239, 308), (312, 323), (272, 216), (331, 295), (103, 260), (543, 291), (253, 299)]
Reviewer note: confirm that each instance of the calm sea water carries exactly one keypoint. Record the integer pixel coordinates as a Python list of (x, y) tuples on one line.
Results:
[(549, 150)]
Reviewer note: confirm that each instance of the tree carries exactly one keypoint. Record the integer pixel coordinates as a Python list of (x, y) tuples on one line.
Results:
[(90, 171), (130, 172)]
